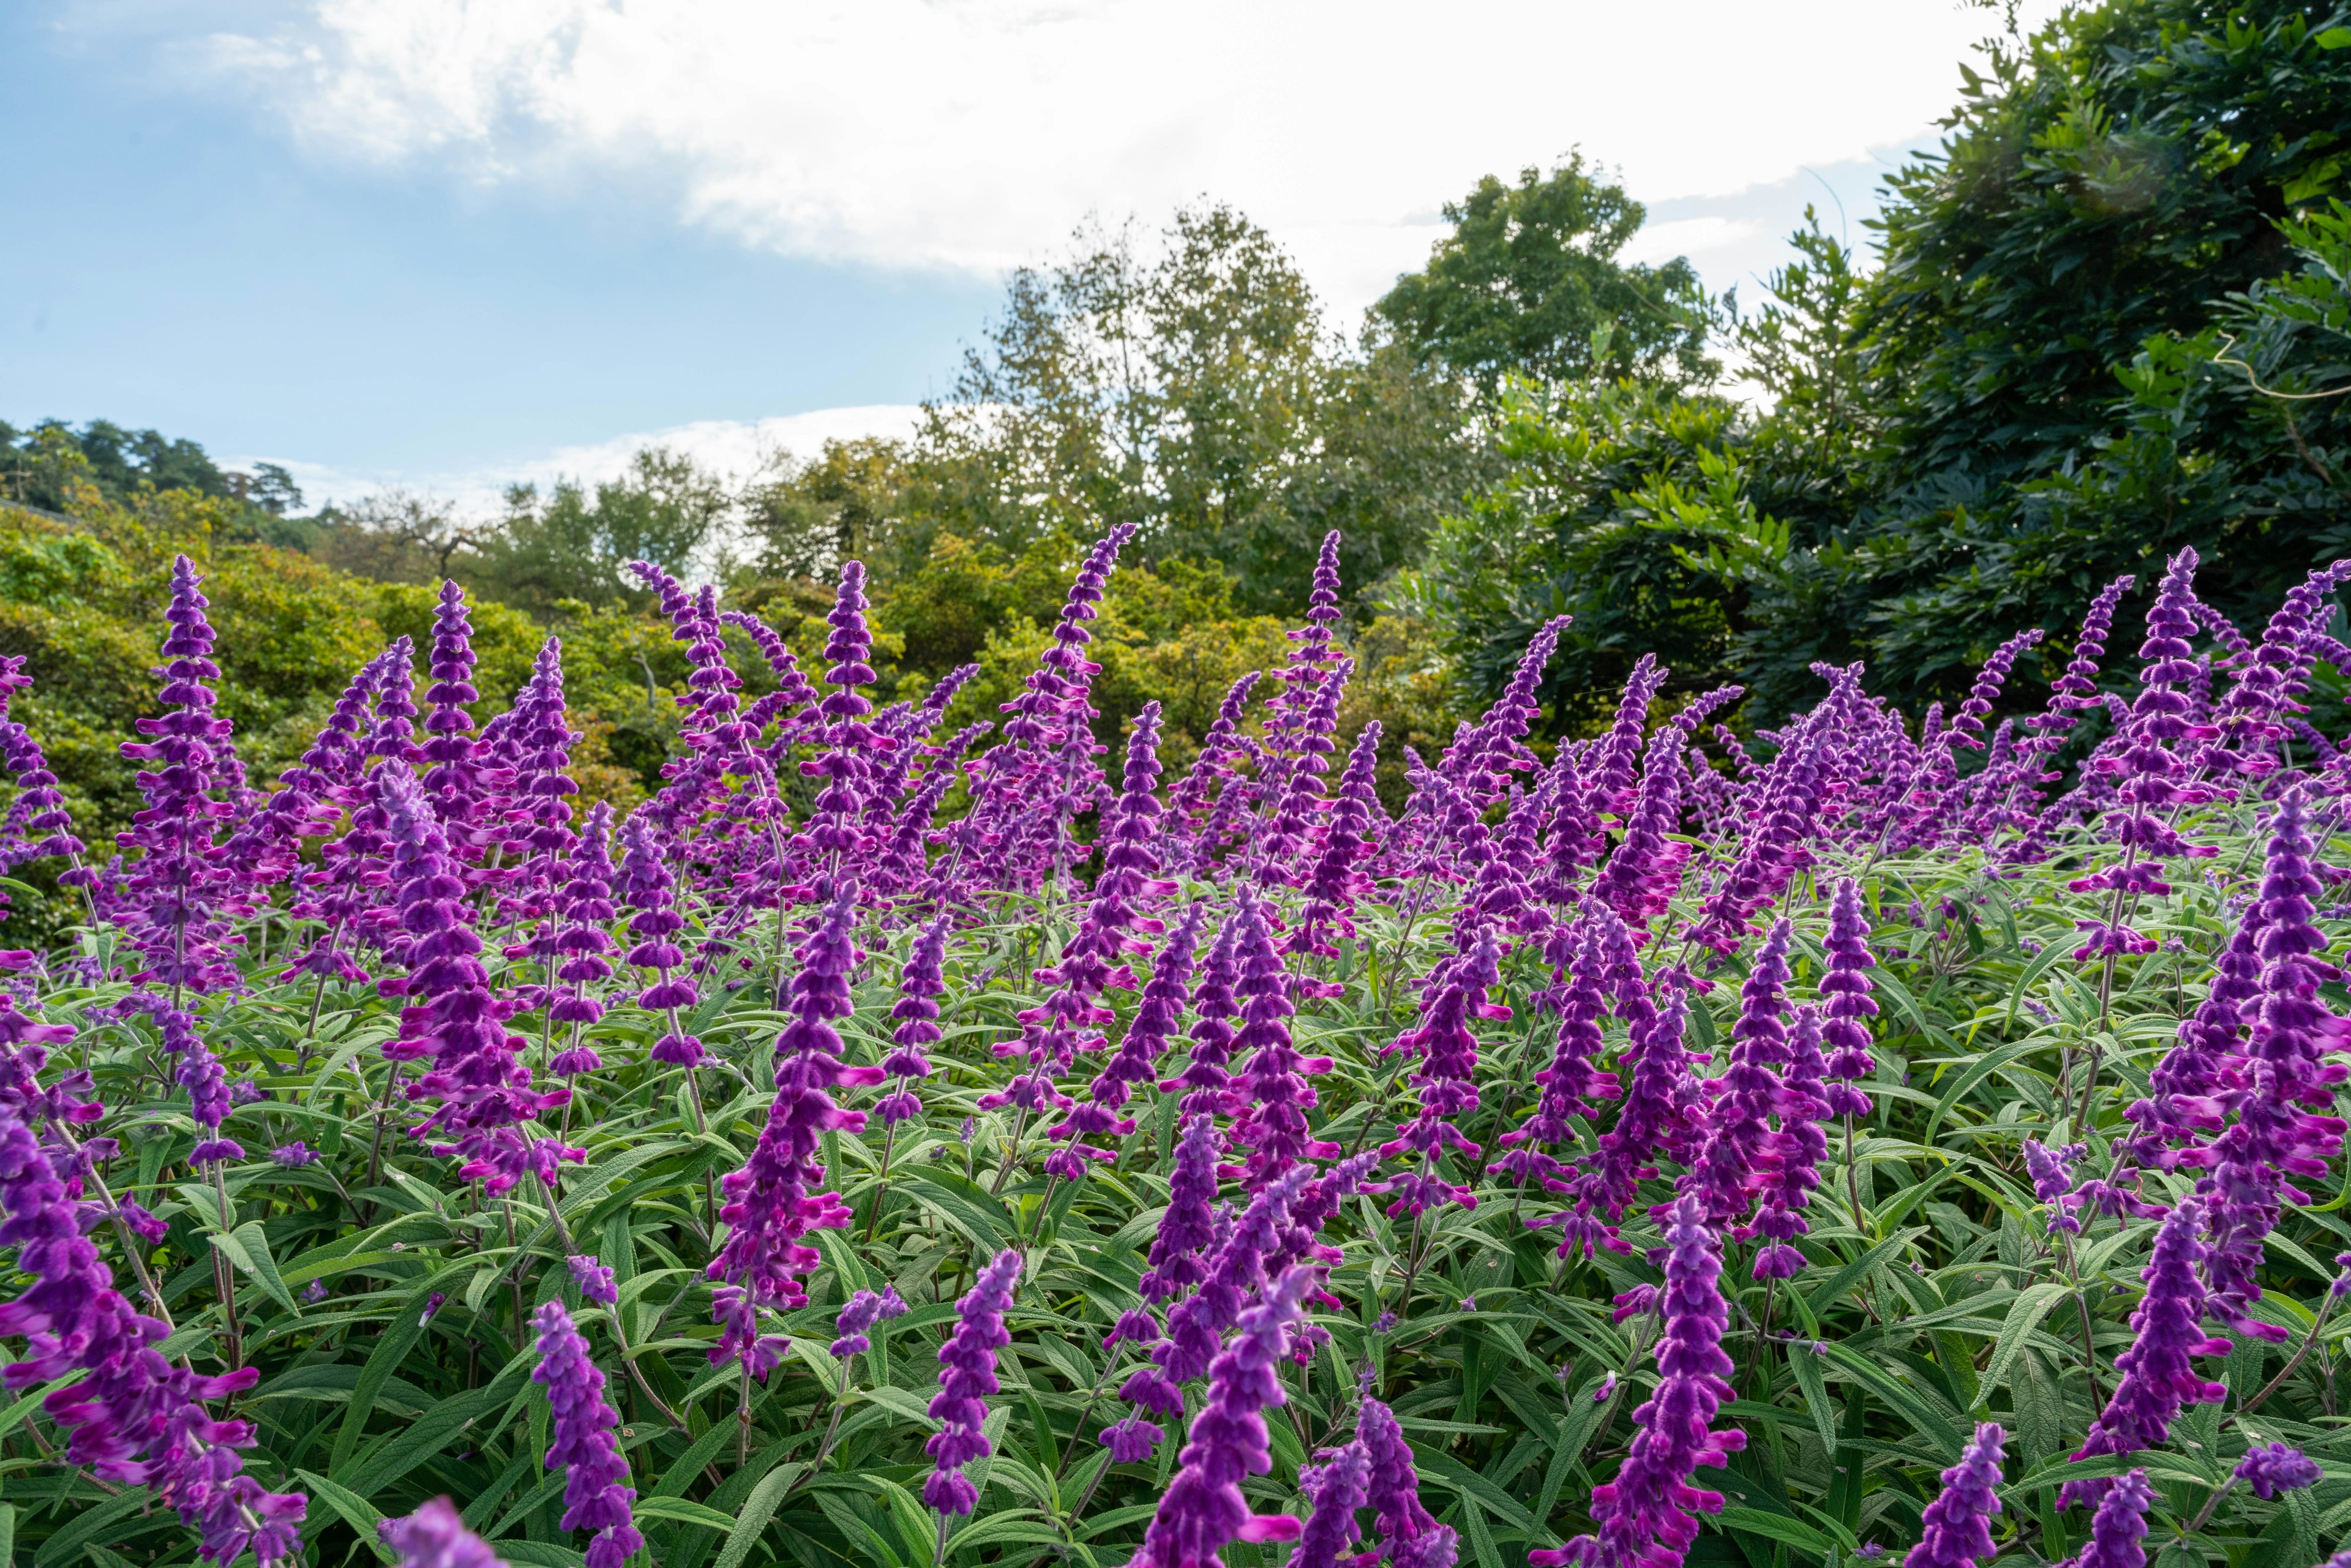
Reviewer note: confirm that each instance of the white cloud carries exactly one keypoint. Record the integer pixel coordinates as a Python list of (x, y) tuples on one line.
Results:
[(733, 447), (975, 133)]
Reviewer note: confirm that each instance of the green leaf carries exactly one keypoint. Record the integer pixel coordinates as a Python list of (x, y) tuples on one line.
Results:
[(7, 1534), (261, 1265), (87, 1526), (357, 1511), (757, 1509), (2334, 38), (1777, 1527), (382, 1361), (1807, 1366), (681, 1510), (1023, 1524), (1924, 1419), (2023, 1316), (981, 1219)]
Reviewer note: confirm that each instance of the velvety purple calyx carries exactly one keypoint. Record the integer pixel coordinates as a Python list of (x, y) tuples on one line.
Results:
[(647, 887), (914, 1020), (856, 1320), (1574, 1084), (966, 1377), (775, 1200), (593, 1281), (179, 892), (1846, 988), (1739, 1150), (1203, 1508), (2273, 1468), (2158, 1376), (1956, 1527), (435, 1536), (1446, 1078), (1274, 1098), (1336, 1489), (1643, 1515), (1797, 1148), (595, 1496), (1161, 1009)]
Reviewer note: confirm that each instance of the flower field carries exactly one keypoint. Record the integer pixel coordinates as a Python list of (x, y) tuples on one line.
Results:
[(1878, 1136)]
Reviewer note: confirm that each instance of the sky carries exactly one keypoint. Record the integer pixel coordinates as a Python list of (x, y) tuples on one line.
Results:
[(445, 245)]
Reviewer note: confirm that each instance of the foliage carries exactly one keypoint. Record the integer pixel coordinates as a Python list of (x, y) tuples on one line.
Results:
[(1528, 284)]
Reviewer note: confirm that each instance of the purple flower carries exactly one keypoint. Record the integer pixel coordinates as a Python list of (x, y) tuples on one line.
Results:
[(1336, 1490), (1445, 1077), (594, 1496), (315, 1291), (1642, 1515), (1796, 1156), (134, 1418), (1189, 803), (1739, 1143), (1956, 1527), (2281, 1132), (1161, 1009), (967, 1376), (1178, 1260), (864, 1310), (2053, 1182), (650, 889), (1641, 874), (200, 1073), (458, 780), (2157, 1375), (1660, 1113), (773, 1200), (295, 1155), (2118, 1530), (475, 1073), (1326, 918), (2272, 1468), (1269, 1118), (1408, 1533), (1847, 986), (1574, 1084), (180, 888), (1203, 1507), (920, 985), (435, 1537), (1204, 1081), (593, 1279)]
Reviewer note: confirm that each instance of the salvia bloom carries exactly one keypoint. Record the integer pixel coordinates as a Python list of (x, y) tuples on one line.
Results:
[(915, 1017), (1795, 1165), (1336, 1489), (1739, 1147), (1203, 1507), (1271, 1120), (648, 888), (2159, 1378), (2053, 1182), (134, 1418), (1137, 1060), (179, 892), (1179, 1257), (966, 1377), (1846, 988), (773, 1200), (2118, 1531), (593, 1279), (2272, 1468), (1448, 1061), (457, 778), (594, 1496), (1572, 1085), (864, 1310), (1409, 1534), (1957, 1526), (435, 1537), (1644, 1514), (200, 1073)]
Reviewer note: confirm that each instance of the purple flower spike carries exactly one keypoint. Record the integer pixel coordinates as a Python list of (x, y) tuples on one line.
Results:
[(2272, 1468), (1796, 1158), (1574, 1084), (864, 1310), (594, 1497), (967, 1377), (650, 889), (1178, 1259), (1644, 1514), (1136, 1061), (1203, 1508), (1957, 1526), (1271, 1121), (2118, 1530), (435, 1537), (295, 1155), (179, 891), (1847, 986), (920, 985), (1408, 1533), (2053, 1182), (1337, 1489), (1445, 1077), (1326, 918), (593, 1281), (774, 1200), (2158, 1379), (1739, 1146)]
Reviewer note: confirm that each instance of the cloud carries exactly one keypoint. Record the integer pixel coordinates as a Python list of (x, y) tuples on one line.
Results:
[(974, 134), (734, 447)]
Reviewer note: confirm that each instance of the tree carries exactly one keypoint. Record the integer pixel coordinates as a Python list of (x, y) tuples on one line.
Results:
[(572, 546), (809, 517), (1528, 284)]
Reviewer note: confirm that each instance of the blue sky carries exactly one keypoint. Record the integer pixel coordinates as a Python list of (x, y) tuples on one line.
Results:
[(440, 243)]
